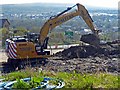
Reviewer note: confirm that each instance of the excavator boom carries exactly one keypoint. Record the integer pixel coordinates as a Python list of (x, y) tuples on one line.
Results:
[(63, 17)]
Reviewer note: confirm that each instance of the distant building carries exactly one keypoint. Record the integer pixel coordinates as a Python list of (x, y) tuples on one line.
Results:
[(4, 23)]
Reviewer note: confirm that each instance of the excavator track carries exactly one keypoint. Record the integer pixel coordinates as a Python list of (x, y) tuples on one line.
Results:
[(13, 65)]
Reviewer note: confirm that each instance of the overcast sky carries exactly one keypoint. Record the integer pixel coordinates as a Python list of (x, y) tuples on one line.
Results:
[(99, 3)]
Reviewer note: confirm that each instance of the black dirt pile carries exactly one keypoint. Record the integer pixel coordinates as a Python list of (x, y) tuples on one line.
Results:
[(87, 51), (87, 59)]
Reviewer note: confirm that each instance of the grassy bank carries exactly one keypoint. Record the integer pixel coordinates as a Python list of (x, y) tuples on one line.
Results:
[(72, 80)]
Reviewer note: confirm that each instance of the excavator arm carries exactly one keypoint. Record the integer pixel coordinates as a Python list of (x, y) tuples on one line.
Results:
[(63, 17)]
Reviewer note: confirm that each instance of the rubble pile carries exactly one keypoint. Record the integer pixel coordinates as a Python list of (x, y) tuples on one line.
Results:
[(87, 51), (86, 59)]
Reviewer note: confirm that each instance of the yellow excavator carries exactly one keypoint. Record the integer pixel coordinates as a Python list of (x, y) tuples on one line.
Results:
[(21, 50)]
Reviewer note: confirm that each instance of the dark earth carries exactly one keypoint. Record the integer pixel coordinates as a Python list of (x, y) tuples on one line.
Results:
[(86, 59), (83, 59)]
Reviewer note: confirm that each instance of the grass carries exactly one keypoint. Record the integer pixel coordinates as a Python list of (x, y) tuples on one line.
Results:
[(72, 80), (20, 85)]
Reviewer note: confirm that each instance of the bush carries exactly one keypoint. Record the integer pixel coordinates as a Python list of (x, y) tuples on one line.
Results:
[(20, 84)]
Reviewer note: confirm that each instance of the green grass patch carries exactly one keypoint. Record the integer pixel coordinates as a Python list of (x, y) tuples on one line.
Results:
[(21, 85), (72, 80)]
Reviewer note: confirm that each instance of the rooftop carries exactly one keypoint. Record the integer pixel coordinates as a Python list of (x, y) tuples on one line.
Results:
[(2, 21)]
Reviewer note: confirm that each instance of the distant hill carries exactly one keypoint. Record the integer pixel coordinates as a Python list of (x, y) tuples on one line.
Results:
[(41, 7), (33, 16), (50, 5)]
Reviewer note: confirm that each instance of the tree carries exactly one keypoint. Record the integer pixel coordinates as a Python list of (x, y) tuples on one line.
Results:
[(20, 31), (4, 34), (56, 37)]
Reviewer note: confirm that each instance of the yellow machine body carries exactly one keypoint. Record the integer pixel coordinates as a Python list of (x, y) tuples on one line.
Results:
[(24, 50), (27, 50)]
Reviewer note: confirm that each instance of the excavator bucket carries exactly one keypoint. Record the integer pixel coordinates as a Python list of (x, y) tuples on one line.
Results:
[(91, 39)]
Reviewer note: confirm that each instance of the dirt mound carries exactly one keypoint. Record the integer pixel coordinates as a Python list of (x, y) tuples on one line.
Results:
[(86, 51), (86, 59)]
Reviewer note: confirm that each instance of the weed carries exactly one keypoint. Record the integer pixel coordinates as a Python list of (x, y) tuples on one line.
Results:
[(72, 80), (20, 84)]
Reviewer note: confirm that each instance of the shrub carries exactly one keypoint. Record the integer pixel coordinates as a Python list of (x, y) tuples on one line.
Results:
[(20, 84)]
